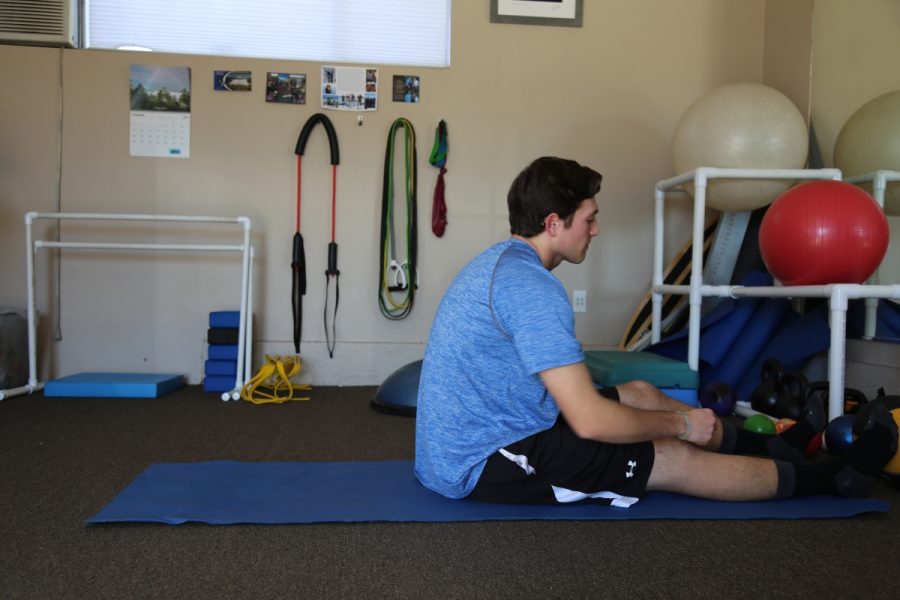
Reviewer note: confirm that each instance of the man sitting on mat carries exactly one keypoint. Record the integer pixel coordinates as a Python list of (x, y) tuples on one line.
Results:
[(507, 411)]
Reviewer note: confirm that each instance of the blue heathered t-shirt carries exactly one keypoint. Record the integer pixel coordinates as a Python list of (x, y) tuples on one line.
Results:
[(504, 319)]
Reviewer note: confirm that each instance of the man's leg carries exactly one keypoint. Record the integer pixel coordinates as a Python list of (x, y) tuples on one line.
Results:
[(646, 396), (684, 468), (728, 438)]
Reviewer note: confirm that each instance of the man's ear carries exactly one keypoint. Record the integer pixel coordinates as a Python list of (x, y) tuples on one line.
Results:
[(552, 223)]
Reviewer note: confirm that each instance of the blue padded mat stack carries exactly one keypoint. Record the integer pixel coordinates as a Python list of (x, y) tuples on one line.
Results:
[(675, 378), (220, 369)]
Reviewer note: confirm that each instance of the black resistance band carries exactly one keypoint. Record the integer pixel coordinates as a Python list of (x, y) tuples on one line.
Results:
[(298, 266)]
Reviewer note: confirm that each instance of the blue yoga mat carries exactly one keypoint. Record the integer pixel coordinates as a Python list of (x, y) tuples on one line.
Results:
[(228, 492)]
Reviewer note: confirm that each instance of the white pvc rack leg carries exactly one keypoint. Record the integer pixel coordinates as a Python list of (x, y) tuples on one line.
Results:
[(243, 248), (879, 181), (838, 293)]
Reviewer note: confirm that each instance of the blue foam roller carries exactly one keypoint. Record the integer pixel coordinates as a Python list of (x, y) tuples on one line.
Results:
[(718, 330), (225, 318), (114, 385), (220, 367), (218, 383), (888, 319), (222, 352), (744, 348)]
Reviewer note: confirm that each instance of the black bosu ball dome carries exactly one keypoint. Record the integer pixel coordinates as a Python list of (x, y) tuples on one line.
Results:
[(398, 393)]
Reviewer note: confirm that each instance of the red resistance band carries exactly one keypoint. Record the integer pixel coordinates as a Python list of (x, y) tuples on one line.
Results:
[(298, 265)]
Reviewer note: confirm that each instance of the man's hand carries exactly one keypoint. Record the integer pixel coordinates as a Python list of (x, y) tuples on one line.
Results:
[(700, 424)]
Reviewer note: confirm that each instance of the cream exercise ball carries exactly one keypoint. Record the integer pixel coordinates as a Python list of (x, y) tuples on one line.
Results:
[(870, 141), (743, 126)]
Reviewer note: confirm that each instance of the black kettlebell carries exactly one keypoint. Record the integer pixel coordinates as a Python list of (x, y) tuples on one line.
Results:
[(779, 393), (862, 415), (792, 398), (772, 370), (854, 400), (766, 396)]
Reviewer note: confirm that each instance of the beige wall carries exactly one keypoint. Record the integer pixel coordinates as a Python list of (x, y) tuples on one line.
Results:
[(854, 60), (787, 48), (608, 94)]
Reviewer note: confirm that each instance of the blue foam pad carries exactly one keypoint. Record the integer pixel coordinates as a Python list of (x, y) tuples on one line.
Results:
[(114, 385), (220, 367), (225, 318), (229, 492), (688, 396), (218, 383), (222, 351)]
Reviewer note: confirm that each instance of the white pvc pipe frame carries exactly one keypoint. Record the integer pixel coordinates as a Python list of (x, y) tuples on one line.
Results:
[(879, 180), (246, 301), (838, 293)]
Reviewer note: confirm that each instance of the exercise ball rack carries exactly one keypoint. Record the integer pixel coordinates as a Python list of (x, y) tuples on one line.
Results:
[(838, 293)]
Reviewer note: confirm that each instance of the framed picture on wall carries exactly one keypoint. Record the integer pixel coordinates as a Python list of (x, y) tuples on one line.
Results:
[(561, 13)]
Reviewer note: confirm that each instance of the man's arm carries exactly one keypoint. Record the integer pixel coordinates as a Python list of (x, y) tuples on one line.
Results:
[(592, 416)]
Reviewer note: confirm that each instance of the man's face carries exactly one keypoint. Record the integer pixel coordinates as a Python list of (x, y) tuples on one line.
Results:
[(574, 240)]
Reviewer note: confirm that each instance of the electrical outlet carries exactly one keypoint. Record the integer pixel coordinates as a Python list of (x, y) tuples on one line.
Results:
[(579, 301)]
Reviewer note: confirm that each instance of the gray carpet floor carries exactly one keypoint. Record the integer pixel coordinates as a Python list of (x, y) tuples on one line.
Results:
[(62, 460)]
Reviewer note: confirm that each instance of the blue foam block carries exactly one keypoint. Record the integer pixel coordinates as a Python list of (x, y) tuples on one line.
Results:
[(686, 395), (218, 383), (230, 492), (220, 367), (225, 318), (222, 351), (114, 385)]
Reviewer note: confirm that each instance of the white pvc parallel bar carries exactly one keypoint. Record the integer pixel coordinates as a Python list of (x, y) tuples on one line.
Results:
[(33, 245), (879, 180), (838, 293), (245, 221), (126, 246)]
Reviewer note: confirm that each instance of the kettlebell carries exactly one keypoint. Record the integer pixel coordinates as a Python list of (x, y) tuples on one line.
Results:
[(779, 394), (862, 415), (792, 398), (765, 395), (855, 402)]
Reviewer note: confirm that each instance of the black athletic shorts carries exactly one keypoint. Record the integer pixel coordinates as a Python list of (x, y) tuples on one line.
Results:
[(556, 466)]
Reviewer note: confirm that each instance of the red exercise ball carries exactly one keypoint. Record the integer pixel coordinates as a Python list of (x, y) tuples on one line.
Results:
[(822, 232)]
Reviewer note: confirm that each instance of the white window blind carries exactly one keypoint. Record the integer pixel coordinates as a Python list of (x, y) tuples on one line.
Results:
[(400, 32)]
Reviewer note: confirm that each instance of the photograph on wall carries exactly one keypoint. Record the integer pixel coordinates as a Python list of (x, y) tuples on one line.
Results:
[(349, 88), (286, 88), (560, 13), (160, 111), (232, 81), (406, 88)]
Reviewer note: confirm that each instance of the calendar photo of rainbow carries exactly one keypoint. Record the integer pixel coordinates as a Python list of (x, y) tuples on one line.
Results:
[(160, 107)]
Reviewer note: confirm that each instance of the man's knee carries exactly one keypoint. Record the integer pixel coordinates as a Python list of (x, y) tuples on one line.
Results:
[(672, 461), (638, 394)]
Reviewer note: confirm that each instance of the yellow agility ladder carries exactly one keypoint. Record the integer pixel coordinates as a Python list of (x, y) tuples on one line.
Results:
[(272, 383)]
